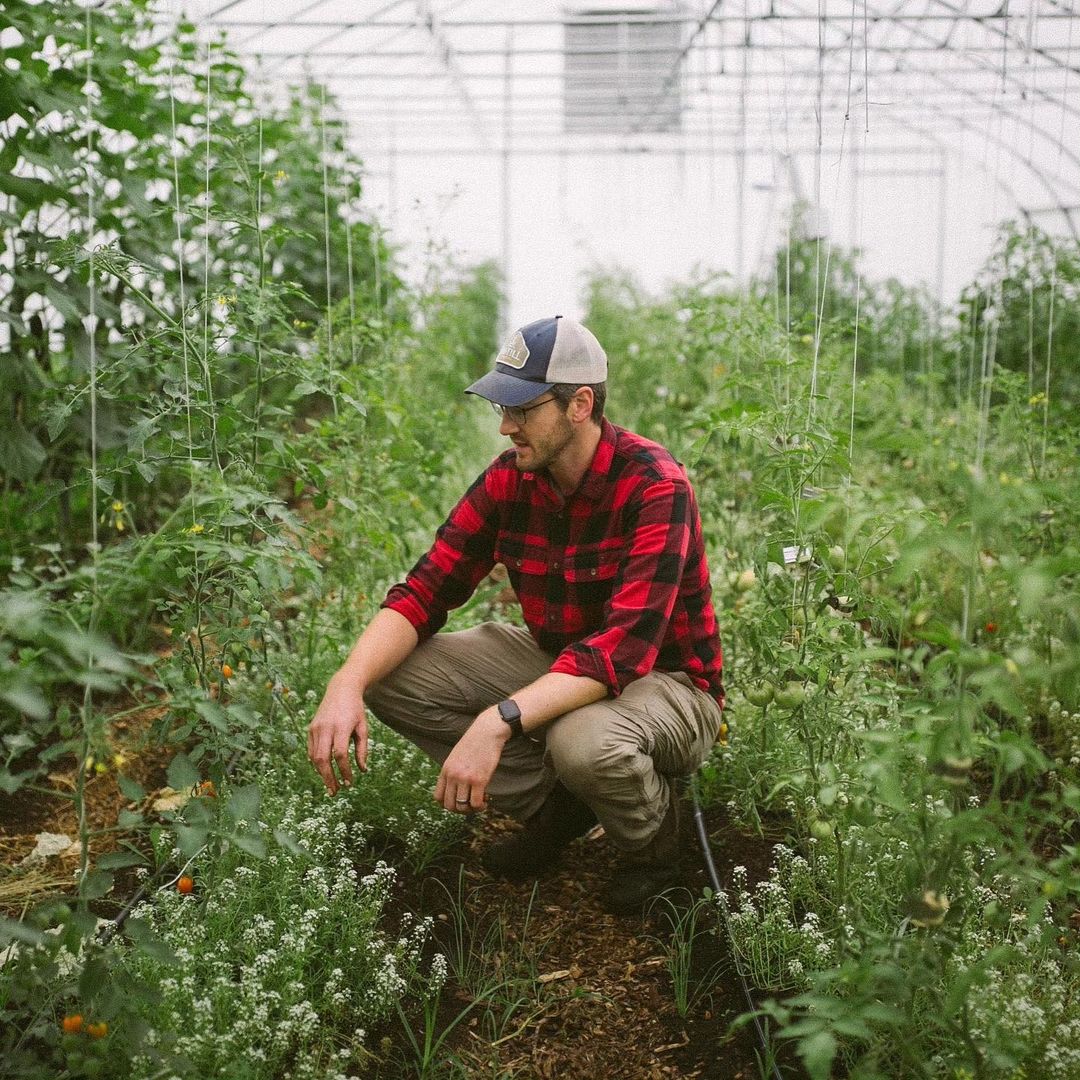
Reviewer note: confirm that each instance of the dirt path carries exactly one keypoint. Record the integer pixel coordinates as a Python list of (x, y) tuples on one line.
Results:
[(581, 993)]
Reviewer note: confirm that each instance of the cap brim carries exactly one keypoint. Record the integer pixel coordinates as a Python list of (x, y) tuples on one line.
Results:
[(506, 389)]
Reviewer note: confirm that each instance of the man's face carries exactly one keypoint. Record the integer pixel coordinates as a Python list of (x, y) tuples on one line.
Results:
[(542, 436)]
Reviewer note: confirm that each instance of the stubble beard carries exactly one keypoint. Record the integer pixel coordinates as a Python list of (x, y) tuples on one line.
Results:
[(548, 449)]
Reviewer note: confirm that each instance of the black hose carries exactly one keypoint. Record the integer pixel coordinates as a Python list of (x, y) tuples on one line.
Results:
[(710, 867)]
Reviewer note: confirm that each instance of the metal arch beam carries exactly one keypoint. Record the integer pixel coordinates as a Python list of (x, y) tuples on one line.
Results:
[(959, 120), (1039, 175), (610, 18), (913, 25), (602, 50), (952, 86), (962, 16), (341, 28), (992, 69), (276, 26), (222, 8), (446, 54), (1026, 121)]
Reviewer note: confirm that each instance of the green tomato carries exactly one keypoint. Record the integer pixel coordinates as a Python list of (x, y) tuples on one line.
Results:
[(792, 696), (821, 829), (759, 694)]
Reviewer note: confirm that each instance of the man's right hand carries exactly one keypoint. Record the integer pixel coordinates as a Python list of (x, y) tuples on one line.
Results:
[(339, 721)]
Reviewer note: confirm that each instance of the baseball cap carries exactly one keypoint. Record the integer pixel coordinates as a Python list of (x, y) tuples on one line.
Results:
[(538, 356)]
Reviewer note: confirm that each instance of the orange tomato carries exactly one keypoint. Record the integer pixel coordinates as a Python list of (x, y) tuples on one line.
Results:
[(226, 671), (185, 885), (72, 1024), (97, 1031)]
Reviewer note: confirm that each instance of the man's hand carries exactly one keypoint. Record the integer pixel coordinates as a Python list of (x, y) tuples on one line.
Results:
[(466, 773), (339, 721)]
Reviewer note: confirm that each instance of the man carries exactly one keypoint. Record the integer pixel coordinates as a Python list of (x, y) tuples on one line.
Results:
[(613, 690)]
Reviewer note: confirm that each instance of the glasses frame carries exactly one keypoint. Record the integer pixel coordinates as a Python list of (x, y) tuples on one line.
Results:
[(518, 414)]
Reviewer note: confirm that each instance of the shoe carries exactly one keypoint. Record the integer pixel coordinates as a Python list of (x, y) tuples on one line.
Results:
[(561, 819), (645, 874)]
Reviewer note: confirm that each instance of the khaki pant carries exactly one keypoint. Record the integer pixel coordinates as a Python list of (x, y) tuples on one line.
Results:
[(619, 755)]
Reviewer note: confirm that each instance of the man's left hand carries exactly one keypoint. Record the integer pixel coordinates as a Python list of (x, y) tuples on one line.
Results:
[(467, 771)]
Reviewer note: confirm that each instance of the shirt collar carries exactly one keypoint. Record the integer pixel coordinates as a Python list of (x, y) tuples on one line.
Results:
[(593, 482)]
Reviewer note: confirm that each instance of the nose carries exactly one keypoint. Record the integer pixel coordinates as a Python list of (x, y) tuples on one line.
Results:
[(507, 426)]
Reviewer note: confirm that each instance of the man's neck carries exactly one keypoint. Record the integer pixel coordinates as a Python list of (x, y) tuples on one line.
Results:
[(572, 465)]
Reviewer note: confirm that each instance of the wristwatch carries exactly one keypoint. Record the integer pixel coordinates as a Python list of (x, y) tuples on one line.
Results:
[(510, 712)]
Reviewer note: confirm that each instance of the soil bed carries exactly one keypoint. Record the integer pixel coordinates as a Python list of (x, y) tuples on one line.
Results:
[(593, 990)]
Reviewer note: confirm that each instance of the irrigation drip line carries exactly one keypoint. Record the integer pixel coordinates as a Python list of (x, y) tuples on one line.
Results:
[(710, 867)]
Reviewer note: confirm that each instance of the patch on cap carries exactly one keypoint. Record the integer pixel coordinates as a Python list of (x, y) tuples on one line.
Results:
[(515, 353)]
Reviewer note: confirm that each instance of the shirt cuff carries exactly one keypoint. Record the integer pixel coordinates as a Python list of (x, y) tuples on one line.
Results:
[(590, 663), (405, 603)]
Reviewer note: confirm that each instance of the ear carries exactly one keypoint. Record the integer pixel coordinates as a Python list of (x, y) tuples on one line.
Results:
[(581, 404)]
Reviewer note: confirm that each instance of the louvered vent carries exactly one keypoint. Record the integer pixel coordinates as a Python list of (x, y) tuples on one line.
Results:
[(623, 74)]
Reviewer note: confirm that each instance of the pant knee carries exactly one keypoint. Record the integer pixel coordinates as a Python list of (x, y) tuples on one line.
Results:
[(593, 761)]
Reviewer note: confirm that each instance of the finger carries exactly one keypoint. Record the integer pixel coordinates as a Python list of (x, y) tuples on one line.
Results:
[(477, 797), (325, 770), (360, 746), (341, 756), (440, 788), (453, 796), (321, 760)]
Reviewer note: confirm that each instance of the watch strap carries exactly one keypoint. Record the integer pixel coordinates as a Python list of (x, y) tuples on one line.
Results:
[(510, 712)]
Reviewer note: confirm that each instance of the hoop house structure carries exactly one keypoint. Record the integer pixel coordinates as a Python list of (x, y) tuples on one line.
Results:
[(819, 484), (660, 137)]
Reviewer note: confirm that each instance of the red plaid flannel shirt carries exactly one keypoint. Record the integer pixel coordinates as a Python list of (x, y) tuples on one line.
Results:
[(612, 579)]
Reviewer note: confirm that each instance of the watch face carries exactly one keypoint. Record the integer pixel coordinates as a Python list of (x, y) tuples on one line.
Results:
[(509, 710)]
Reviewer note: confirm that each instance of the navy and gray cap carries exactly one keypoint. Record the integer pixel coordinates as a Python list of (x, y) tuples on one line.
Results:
[(538, 356)]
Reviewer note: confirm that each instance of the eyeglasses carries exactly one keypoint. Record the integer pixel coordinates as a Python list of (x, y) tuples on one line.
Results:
[(517, 414)]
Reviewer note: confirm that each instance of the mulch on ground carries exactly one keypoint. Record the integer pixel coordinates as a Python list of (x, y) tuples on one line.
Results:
[(605, 1006), (50, 808)]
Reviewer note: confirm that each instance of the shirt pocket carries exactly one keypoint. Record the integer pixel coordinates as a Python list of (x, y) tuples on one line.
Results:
[(522, 556), (594, 563)]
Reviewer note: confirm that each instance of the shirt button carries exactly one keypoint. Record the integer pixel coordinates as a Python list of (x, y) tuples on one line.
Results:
[(593, 571)]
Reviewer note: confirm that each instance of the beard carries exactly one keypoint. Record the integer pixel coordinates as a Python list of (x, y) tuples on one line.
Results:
[(542, 451)]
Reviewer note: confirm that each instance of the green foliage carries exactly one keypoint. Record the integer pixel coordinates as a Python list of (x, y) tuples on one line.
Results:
[(214, 236), (1023, 307), (259, 467), (896, 577)]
